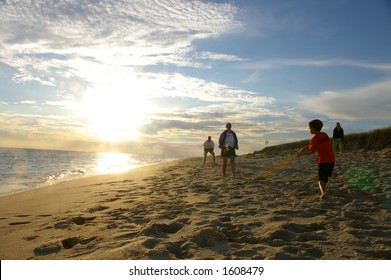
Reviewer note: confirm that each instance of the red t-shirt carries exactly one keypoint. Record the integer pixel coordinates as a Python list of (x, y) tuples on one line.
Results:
[(321, 144)]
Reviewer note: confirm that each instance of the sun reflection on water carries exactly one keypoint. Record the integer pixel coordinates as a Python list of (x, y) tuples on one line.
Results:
[(115, 162)]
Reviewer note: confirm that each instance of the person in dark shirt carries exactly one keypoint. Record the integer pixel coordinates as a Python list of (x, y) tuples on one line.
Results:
[(228, 143), (338, 137)]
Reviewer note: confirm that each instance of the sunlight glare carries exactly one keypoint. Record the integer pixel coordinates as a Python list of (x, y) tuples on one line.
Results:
[(114, 162), (114, 113)]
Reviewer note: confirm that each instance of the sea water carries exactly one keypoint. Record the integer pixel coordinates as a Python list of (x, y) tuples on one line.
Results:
[(26, 169)]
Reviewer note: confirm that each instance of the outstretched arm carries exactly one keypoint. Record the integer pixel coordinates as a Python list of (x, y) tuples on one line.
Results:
[(304, 151)]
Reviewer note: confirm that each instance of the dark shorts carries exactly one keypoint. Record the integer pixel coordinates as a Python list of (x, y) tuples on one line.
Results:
[(206, 151), (228, 152), (325, 170)]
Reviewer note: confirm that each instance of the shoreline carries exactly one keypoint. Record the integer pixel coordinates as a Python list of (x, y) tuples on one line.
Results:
[(84, 176), (182, 210)]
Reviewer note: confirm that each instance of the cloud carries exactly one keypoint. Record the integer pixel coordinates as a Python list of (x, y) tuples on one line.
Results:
[(254, 77), (46, 40), (203, 105), (178, 85), (28, 102), (220, 57), (283, 63), (371, 102), (36, 124)]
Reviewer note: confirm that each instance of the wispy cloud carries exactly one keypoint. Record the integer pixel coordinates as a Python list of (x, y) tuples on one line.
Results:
[(305, 62), (353, 104), (44, 39), (220, 57), (179, 85), (254, 77), (29, 102), (37, 124)]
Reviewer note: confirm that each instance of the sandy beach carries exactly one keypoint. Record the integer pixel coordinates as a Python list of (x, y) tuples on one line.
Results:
[(183, 210)]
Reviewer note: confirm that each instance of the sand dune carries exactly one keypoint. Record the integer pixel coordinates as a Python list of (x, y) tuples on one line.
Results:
[(182, 210)]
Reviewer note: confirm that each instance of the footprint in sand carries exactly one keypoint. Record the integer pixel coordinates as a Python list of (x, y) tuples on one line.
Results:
[(55, 247), (208, 237), (47, 248), (75, 220), (97, 208), (19, 223), (29, 238), (150, 243), (82, 220), (161, 229), (73, 241)]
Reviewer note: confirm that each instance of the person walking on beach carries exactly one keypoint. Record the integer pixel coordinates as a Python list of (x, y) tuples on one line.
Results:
[(228, 142), (209, 146), (321, 144), (338, 137)]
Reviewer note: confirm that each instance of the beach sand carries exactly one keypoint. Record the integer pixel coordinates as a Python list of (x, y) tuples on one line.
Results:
[(183, 210)]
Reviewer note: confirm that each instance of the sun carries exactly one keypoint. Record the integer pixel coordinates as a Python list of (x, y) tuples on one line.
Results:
[(114, 113)]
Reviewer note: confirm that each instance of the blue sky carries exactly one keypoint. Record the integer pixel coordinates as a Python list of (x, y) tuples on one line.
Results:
[(160, 76)]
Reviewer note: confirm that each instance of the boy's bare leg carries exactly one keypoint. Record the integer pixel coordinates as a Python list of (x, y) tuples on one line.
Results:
[(224, 165), (322, 187), (232, 160)]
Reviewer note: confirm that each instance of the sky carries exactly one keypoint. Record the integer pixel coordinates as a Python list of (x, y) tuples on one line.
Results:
[(158, 77)]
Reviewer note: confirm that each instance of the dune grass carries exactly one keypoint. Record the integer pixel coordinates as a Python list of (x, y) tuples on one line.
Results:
[(376, 140)]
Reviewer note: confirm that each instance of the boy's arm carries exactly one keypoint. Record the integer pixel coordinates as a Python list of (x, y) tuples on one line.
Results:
[(236, 142), (304, 151), (221, 141)]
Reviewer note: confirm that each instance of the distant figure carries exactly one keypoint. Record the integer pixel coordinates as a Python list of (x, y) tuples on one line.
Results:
[(209, 146), (321, 144), (228, 142), (338, 137)]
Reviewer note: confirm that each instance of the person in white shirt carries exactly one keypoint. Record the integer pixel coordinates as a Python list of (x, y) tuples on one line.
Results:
[(209, 146), (228, 142)]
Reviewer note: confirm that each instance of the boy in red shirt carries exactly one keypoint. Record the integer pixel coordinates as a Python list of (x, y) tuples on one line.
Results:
[(321, 144)]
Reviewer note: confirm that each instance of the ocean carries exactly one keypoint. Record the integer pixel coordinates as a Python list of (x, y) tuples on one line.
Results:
[(26, 169)]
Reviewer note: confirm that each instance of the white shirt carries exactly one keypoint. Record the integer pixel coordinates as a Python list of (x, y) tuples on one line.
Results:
[(229, 140), (209, 144)]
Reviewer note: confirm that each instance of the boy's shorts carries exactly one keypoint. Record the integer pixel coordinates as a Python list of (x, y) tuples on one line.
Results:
[(325, 170), (230, 152), (206, 151)]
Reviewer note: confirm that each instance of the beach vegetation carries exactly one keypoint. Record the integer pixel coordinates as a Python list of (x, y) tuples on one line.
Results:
[(375, 140)]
